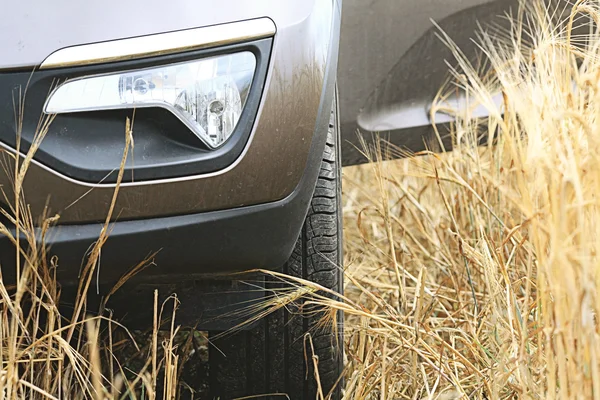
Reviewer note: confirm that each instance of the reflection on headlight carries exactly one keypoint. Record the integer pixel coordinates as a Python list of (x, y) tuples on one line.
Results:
[(208, 95)]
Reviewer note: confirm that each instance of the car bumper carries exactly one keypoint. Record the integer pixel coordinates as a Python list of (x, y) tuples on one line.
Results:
[(218, 242), (242, 216)]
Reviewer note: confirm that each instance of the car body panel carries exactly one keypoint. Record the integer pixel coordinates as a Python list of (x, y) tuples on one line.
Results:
[(275, 158), (215, 242)]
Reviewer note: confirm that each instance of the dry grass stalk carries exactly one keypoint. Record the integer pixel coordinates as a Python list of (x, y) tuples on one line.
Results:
[(42, 354)]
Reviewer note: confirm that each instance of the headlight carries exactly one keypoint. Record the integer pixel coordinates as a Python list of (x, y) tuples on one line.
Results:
[(207, 95)]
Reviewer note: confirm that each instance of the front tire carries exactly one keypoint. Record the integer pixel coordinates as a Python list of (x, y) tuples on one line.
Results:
[(270, 358)]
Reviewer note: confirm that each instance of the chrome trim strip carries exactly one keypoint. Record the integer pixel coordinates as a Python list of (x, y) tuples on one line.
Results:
[(160, 44)]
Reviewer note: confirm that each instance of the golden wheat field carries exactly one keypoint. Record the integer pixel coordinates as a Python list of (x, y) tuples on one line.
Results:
[(471, 274)]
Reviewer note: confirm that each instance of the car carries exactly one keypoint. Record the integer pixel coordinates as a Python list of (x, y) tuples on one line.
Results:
[(242, 119)]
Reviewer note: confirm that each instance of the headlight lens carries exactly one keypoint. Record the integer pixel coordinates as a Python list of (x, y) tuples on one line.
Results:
[(208, 95)]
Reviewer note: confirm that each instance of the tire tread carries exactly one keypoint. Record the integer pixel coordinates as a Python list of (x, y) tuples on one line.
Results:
[(273, 358)]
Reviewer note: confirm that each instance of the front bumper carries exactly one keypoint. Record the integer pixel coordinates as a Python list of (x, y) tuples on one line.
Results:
[(217, 242), (245, 215)]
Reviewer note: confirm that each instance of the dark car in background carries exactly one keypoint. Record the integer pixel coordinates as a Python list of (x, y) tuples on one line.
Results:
[(240, 129)]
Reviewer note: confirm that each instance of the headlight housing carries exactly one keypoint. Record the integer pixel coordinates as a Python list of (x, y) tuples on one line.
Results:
[(208, 95)]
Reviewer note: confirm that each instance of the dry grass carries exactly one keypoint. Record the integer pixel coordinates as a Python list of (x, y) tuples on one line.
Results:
[(475, 274), (45, 354), (471, 274)]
